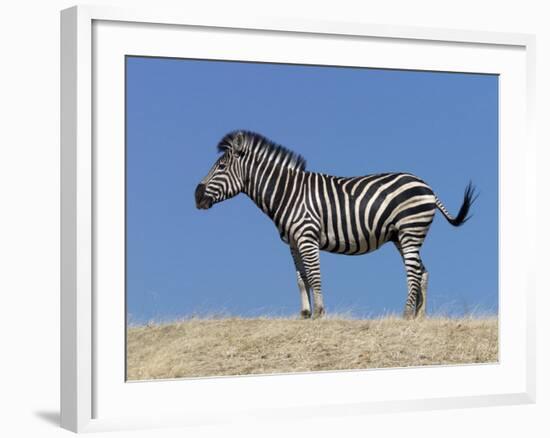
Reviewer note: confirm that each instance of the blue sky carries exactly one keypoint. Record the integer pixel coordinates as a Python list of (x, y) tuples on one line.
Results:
[(442, 127)]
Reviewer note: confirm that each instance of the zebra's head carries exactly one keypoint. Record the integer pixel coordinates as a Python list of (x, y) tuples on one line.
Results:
[(225, 178)]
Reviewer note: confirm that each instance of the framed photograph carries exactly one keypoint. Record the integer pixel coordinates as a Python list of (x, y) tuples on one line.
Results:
[(218, 172)]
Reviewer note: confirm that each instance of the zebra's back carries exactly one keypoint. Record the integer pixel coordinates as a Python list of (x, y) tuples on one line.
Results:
[(357, 215)]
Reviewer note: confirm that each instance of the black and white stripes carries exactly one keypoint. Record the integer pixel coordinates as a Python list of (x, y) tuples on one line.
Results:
[(313, 211)]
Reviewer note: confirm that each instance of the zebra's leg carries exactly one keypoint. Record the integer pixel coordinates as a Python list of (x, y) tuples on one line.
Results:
[(309, 253), (414, 279), (413, 265), (421, 299), (303, 284)]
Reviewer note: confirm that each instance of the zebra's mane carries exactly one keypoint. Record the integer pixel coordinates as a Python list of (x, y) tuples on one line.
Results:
[(265, 148)]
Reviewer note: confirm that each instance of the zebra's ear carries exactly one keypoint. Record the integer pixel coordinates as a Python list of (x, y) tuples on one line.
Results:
[(238, 142)]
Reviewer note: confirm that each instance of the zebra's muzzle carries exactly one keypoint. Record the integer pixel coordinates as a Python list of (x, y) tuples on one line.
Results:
[(202, 201)]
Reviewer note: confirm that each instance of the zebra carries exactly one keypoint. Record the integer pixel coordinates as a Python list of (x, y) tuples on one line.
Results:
[(317, 212)]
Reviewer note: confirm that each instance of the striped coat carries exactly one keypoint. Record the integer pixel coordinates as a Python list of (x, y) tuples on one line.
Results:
[(313, 211)]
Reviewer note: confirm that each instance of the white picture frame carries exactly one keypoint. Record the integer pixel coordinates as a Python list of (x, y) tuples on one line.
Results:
[(94, 397)]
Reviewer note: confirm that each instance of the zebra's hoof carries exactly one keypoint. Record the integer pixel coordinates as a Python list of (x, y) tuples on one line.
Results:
[(318, 313), (408, 315), (305, 314), (421, 314)]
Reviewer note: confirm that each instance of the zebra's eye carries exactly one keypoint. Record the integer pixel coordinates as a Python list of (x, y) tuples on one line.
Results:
[(221, 166)]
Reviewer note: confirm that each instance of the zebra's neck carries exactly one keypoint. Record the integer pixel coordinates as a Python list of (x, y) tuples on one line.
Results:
[(272, 187)]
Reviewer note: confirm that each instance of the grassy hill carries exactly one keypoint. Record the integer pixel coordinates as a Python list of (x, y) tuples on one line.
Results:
[(237, 346)]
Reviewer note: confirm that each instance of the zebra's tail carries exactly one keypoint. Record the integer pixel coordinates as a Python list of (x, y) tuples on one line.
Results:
[(462, 216)]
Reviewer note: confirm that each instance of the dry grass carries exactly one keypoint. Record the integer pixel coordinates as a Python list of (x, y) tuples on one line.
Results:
[(236, 346)]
